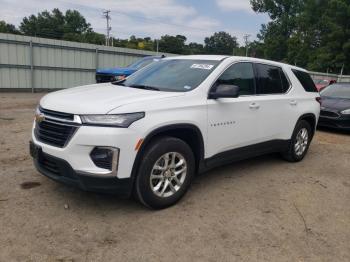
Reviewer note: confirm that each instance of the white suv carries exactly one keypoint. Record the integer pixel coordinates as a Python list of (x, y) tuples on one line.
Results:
[(152, 132)]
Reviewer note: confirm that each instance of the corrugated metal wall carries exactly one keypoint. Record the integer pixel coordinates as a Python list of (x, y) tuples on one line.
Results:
[(39, 63)]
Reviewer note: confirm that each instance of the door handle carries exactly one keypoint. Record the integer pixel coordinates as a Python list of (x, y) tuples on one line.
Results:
[(293, 103), (254, 106)]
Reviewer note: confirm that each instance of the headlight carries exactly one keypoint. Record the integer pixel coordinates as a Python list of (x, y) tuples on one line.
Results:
[(122, 120), (119, 78), (346, 112)]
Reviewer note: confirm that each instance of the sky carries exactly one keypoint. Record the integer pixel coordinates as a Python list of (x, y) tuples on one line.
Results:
[(194, 19)]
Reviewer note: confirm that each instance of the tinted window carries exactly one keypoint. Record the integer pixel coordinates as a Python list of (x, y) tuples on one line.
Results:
[(241, 75), (337, 91), (271, 80), (175, 75), (305, 80)]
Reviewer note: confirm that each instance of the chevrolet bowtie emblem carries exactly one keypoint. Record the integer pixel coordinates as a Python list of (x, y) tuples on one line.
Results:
[(39, 118)]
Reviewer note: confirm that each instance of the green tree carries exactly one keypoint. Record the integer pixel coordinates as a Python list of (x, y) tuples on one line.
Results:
[(309, 33), (328, 35), (195, 48), (172, 44), (275, 34), (220, 43), (74, 22), (94, 38), (8, 28), (256, 49), (69, 26), (45, 24)]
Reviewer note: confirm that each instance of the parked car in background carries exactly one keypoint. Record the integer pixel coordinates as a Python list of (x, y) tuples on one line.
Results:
[(118, 73), (335, 109), (322, 83), (149, 134)]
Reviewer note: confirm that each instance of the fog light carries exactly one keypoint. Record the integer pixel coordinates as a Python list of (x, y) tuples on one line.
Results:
[(105, 157)]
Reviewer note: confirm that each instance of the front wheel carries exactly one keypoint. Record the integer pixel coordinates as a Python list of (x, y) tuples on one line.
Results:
[(165, 172), (299, 143)]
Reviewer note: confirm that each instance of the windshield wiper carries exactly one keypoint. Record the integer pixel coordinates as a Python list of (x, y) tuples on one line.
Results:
[(145, 87)]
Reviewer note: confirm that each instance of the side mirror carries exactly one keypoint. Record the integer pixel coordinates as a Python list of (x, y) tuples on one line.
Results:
[(224, 91)]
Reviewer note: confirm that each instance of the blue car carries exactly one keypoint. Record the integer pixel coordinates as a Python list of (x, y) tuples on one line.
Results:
[(118, 73)]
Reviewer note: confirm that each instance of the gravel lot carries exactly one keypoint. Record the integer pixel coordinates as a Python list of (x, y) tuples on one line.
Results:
[(263, 209)]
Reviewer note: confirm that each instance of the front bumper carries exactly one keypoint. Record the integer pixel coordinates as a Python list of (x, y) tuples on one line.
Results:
[(77, 150), (105, 78), (341, 123), (61, 171)]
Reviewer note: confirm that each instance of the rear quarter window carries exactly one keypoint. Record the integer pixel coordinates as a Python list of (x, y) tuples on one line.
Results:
[(305, 80), (271, 80)]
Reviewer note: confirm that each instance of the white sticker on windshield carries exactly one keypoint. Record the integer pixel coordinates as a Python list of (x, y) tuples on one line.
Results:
[(202, 66), (187, 87)]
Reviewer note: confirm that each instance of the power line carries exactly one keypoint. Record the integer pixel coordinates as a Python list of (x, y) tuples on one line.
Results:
[(109, 28)]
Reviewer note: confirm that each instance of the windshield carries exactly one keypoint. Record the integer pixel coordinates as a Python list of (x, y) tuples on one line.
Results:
[(337, 91), (173, 75), (142, 63)]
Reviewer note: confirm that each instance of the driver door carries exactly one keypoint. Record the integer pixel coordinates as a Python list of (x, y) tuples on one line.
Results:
[(233, 122)]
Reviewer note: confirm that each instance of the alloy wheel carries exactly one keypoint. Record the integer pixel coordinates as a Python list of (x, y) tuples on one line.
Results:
[(301, 142), (168, 174)]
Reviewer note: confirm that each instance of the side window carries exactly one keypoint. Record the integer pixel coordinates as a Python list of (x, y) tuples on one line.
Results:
[(305, 80), (271, 80), (241, 75)]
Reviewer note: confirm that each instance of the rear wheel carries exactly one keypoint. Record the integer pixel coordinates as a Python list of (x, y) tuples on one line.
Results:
[(165, 172), (300, 142)]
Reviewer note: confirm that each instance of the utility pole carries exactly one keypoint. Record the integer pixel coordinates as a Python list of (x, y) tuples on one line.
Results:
[(157, 41), (108, 18), (246, 41)]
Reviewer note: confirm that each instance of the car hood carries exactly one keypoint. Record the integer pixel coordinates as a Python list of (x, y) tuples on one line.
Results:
[(338, 104), (100, 98), (117, 71)]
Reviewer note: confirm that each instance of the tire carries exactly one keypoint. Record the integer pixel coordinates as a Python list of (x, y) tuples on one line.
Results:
[(156, 168), (295, 153)]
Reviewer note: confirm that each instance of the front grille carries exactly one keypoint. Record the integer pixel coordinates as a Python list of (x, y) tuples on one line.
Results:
[(56, 114), (55, 166), (54, 133), (327, 113), (104, 78)]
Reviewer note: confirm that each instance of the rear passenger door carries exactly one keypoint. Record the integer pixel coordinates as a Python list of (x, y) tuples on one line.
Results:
[(276, 107)]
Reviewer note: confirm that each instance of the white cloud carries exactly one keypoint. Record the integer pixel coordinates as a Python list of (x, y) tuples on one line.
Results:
[(129, 17), (142, 18), (234, 5), (203, 22), (148, 8)]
